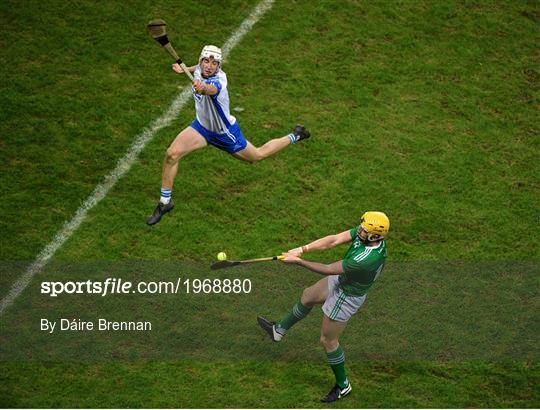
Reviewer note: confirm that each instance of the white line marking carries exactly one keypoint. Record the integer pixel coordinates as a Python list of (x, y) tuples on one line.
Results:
[(123, 165)]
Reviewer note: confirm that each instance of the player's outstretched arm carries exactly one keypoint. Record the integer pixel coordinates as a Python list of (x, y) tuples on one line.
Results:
[(321, 244), (335, 268)]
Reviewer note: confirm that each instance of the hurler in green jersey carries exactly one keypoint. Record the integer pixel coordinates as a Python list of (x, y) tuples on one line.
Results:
[(341, 292), (362, 264)]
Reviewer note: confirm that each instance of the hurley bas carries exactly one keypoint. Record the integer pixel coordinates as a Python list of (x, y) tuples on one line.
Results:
[(103, 325)]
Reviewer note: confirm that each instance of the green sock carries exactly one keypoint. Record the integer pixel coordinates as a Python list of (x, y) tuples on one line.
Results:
[(336, 360), (297, 313)]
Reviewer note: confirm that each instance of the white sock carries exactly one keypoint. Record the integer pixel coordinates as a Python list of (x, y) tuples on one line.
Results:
[(165, 195)]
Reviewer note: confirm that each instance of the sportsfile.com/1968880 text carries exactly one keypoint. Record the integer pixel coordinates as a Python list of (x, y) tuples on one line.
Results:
[(118, 286)]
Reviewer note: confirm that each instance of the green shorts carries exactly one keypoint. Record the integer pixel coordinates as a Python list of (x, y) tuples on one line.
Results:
[(338, 305)]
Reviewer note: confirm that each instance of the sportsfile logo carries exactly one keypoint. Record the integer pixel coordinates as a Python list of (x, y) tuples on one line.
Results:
[(112, 286)]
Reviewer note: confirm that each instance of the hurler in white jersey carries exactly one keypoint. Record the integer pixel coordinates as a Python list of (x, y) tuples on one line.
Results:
[(213, 125)]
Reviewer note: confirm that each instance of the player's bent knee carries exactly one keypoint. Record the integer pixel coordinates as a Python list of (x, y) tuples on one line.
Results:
[(174, 154), (306, 297), (251, 161), (329, 344), (255, 155)]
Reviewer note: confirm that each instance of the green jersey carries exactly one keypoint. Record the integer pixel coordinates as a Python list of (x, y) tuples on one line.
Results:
[(361, 266)]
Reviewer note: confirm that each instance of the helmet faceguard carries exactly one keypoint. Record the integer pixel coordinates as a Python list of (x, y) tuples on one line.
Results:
[(375, 224)]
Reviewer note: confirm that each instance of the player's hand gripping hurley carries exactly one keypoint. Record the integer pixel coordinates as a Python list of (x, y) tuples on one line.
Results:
[(157, 29), (230, 264)]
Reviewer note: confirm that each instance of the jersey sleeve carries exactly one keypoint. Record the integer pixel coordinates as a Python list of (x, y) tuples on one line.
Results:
[(345, 263), (216, 83), (219, 81)]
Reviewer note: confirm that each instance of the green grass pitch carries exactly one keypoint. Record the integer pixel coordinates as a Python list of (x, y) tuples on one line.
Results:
[(426, 110)]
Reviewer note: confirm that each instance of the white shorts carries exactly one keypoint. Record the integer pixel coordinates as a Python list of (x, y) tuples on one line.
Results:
[(338, 305)]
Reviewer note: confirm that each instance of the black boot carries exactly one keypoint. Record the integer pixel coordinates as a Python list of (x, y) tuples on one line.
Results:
[(161, 209)]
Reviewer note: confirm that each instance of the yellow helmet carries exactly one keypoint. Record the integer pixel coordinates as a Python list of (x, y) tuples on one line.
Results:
[(376, 224)]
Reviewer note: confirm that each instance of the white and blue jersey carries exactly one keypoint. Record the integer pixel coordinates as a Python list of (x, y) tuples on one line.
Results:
[(214, 120)]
